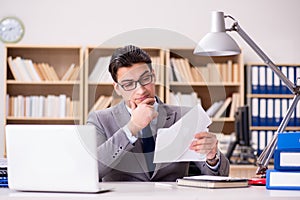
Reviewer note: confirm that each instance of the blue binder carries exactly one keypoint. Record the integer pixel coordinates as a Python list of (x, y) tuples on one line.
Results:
[(288, 140), (281, 163), (280, 180)]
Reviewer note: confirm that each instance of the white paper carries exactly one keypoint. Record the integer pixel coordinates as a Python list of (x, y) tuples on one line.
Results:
[(172, 144)]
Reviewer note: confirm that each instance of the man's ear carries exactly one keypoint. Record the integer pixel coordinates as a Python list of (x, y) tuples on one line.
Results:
[(117, 88)]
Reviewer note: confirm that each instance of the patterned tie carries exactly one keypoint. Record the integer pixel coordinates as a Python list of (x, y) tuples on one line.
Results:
[(148, 148)]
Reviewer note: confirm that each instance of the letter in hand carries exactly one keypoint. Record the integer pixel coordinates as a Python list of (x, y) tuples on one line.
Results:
[(205, 143), (142, 114)]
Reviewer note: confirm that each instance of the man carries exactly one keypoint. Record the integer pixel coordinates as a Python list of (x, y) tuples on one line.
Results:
[(127, 131)]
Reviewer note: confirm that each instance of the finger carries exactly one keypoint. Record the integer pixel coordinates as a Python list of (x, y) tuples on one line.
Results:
[(201, 135), (149, 101), (203, 144), (132, 105)]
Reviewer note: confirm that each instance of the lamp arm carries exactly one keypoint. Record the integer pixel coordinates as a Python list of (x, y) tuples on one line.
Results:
[(265, 156), (236, 27)]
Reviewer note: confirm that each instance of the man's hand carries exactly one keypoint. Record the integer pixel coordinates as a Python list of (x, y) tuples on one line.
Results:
[(142, 114), (205, 143)]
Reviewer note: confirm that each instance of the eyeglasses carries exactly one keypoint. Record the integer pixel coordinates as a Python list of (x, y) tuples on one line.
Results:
[(131, 85)]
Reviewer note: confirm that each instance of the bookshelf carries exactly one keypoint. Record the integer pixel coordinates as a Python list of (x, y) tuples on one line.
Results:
[(269, 100), (98, 85), (43, 98), (210, 79)]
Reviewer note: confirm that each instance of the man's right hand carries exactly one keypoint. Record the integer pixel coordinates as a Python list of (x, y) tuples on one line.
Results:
[(141, 115)]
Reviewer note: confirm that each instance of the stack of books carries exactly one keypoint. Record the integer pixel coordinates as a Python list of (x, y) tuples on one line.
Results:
[(286, 173), (209, 181), (3, 173)]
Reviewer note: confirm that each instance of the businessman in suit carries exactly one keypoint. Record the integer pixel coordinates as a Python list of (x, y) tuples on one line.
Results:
[(126, 132)]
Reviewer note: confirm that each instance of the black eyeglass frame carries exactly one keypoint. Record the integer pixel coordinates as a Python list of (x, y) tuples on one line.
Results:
[(151, 75)]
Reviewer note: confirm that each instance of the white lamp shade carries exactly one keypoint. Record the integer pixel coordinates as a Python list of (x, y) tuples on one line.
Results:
[(217, 42)]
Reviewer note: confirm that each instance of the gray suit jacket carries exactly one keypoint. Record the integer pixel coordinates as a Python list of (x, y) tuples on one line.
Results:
[(119, 160)]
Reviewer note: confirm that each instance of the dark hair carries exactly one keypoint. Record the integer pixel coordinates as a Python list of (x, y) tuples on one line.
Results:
[(126, 57)]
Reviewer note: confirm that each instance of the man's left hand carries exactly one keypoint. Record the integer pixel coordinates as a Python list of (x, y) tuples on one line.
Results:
[(205, 143)]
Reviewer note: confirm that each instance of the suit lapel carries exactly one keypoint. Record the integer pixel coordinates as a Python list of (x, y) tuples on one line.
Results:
[(121, 114), (122, 117), (166, 118)]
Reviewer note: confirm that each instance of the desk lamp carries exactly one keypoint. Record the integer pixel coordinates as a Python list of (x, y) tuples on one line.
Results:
[(219, 43)]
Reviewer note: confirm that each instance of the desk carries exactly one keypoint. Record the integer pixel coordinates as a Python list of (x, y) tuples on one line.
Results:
[(156, 191)]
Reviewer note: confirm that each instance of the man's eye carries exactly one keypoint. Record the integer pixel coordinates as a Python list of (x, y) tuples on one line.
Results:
[(146, 78), (128, 84)]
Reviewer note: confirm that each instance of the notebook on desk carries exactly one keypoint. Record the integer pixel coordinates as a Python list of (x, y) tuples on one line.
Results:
[(58, 158)]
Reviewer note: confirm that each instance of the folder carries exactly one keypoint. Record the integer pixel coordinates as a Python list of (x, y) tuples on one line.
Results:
[(287, 159), (262, 112), (276, 84), (283, 87), (255, 111), (262, 80), (269, 81), (270, 112), (291, 77), (277, 111), (281, 180), (254, 78), (284, 108), (288, 140)]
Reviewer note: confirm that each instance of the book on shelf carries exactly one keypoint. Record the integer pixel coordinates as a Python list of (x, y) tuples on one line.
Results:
[(22, 69), (282, 180), (197, 75), (187, 69), (268, 82), (223, 108), (214, 72), (75, 74), (229, 67), (234, 104), (41, 106), (43, 72), (184, 99), (68, 73), (270, 111), (287, 159), (13, 68), (156, 64), (207, 181), (53, 74), (32, 71), (26, 70), (177, 71), (235, 75), (212, 110), (100, 73), (102, 103)]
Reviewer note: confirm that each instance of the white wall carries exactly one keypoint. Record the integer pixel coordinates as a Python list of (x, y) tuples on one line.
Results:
[(274, 25)]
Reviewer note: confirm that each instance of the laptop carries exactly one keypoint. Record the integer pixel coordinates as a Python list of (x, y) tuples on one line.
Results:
[(56, 158)]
